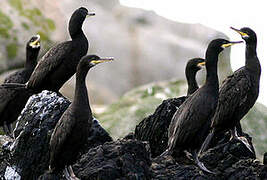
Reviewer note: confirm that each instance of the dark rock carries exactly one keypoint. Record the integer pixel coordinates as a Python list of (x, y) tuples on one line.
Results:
[(49, 176), (265, 158), (3, 164), (122, 159), (29, 154), (229, 160), (97, 136), (263, 172), (128, 158), (154, 128)]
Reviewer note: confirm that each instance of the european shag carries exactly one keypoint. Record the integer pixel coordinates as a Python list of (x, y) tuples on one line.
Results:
[(238, 92), (191, 122), (154, 128), (60, 62), (12, 101), (72, 130)]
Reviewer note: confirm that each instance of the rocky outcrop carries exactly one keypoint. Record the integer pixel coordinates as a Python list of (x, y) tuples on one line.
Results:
[(228, 161), (122, 159), (154, 128), (140, 103), (28, 155), (101, 158)]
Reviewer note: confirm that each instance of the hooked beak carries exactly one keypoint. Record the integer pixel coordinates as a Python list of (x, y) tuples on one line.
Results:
[(244, 35), (36, 43), (101, 60), (231, 43), (200, 65)]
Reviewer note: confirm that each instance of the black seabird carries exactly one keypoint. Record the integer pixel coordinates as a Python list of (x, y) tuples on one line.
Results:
[(191, 122), (154, 128), (238, 93), (60, 62), (72, 130), (12, 101)]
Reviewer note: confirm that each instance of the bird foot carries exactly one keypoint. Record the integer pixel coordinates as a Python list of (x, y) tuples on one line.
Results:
[(188, 155), (240, 138), (203, 168), (69, 174), (200, 164), (166, 153), (8, 130), (246, 143)]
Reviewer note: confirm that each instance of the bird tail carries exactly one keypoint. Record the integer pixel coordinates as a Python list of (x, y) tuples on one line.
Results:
[(13, 86)]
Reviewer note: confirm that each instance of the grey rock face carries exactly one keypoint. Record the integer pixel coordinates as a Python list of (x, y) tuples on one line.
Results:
[(20, 20), (146, 47)]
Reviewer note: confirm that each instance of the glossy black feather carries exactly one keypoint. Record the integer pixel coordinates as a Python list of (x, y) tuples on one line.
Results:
[(72, 130), (13, 101), (190, 123), (154, 128), (61, 61), (239, 91)]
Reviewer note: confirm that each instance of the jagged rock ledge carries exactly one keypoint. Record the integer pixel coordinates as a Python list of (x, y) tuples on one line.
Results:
[(102, 158)]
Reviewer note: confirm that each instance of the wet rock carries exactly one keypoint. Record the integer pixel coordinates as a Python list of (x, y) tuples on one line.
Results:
[(154, 128), (30, 152), (28, 155), (122, 159)]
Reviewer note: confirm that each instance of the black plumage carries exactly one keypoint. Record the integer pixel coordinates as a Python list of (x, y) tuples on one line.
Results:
[(72, 130), (238, 92), (191, 122), (12, 101), (32, 51), (154, 128), (60, 62), (192, 67)]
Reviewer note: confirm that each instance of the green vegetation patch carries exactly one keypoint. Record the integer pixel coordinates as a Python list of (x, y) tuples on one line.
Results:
[(121, 117), (25, 25), (5, 25), (50, 23), (34, 15), (12, 50), (17, 4)]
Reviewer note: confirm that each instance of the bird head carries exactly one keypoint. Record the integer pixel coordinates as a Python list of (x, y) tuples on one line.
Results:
[(77, 19), (246, 33), (218, 45), (89, 61), (194, 65), (34, 42)]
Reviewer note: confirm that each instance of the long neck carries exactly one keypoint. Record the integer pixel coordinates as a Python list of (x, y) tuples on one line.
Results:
[(81, 43), (191, 81), (81, 97), (252, 61), (211, 66), (78, 35), (31, 58)]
